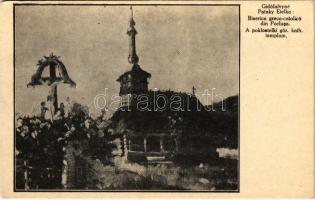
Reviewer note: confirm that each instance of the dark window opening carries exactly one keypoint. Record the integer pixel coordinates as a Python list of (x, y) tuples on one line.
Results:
[(136, 144), (169, 144), (153, 144)]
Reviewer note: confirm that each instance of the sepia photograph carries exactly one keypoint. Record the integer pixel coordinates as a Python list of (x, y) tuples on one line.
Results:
[(126, 97)]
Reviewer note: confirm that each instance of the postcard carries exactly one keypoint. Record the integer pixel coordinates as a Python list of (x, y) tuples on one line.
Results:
[(157, 99)]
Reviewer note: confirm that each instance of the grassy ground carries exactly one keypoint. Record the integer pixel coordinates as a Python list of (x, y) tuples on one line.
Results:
[(222, 176)]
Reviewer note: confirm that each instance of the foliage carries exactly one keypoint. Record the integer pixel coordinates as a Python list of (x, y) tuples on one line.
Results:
[(41, 145)]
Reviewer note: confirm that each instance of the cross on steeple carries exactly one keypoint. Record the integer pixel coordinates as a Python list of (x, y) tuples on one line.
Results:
[(133, 57), (193, 90), (131, 14)]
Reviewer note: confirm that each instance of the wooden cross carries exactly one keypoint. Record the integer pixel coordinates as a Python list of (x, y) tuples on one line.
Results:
[(194, 90)]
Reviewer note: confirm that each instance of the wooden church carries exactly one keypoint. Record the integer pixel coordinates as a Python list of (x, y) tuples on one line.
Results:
[(158, 135)]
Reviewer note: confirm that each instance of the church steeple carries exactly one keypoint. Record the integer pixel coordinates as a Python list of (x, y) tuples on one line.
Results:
[(134, 81), (132, 58)]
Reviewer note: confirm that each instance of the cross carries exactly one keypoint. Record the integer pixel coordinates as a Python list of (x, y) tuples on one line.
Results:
[(194, 90), (131, 16), (53, 63)]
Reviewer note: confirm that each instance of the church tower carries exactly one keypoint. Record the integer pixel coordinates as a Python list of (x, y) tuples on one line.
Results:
[(134, 81)]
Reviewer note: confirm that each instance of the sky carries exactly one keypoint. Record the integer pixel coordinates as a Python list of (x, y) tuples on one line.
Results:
[(181, 46)]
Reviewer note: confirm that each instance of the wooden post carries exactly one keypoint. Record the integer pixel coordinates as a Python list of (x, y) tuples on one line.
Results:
[(145, 144), (129, 145), (53, 88), (54, 98), (125, 149), (64, 175), (161, 144), (26, 181), (176, 145)]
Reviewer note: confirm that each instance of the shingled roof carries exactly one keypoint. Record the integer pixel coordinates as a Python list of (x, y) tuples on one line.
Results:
[(135, 71), (189, 122), (159, 120)]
